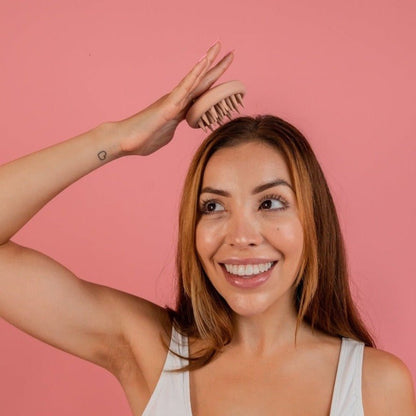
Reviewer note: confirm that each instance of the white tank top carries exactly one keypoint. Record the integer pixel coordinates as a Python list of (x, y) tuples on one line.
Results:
[(171, 395)]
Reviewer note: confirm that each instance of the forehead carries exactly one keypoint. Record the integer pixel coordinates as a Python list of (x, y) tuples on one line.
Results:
[(246, 165)]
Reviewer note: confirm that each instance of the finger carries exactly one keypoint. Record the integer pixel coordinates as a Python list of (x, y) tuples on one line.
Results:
[(180, 92), (211, 54), (209, 78)]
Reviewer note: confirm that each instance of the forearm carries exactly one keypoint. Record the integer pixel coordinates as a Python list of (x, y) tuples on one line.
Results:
[(28, 183)]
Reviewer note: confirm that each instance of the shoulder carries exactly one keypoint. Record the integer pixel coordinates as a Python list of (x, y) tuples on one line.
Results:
[(146, 331), (387, 384)]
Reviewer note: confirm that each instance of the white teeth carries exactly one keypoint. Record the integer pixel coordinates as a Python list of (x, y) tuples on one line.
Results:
[(246, 270)]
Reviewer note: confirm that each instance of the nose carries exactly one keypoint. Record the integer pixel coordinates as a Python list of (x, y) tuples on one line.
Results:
[(243, 230)]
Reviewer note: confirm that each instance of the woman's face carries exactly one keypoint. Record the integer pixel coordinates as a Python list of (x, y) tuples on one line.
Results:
[(249, 238)]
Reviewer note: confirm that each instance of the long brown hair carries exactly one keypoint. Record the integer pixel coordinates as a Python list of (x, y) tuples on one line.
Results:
[(322, 297)]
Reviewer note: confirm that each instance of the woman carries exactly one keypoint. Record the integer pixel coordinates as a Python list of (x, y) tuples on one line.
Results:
[(260, 263)]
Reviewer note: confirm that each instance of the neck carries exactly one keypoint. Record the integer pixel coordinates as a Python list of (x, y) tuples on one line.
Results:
[(271, 330)]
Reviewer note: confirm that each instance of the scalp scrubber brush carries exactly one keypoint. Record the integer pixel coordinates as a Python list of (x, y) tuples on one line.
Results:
[(211, 107)]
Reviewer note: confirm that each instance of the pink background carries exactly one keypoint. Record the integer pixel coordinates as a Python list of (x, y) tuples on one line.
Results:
[(342, 72)]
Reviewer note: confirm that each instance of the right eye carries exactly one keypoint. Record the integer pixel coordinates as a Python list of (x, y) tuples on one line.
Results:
[(208, 207)]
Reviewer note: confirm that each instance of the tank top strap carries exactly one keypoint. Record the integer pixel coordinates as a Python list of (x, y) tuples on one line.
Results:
[(172, 395), (347, 396), (178, 345)]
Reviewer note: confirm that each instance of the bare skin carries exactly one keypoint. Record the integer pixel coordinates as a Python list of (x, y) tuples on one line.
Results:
[(121, 332)]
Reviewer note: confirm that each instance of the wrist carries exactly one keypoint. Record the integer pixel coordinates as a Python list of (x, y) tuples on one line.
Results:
[(107, 141)]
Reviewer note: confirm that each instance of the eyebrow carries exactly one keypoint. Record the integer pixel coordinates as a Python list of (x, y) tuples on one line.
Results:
[(256, 190)]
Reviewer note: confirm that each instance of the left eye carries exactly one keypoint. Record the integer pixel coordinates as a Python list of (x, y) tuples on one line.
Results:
[(271, 203)]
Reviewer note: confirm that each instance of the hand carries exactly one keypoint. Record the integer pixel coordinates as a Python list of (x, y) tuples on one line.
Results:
[(154, 127)]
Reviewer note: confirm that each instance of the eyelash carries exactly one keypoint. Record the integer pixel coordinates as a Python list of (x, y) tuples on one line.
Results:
[(205, 203)]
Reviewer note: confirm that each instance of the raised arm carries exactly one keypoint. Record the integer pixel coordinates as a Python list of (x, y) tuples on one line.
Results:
[(40, 296)]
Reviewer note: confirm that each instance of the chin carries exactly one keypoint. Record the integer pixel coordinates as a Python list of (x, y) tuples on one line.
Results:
[(247, 306)]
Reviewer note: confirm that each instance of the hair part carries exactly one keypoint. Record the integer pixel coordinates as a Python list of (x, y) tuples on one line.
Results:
[(322, 295)]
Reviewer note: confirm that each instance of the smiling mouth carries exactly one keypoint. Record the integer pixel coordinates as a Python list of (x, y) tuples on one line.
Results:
[(248, 276), (247, 271)]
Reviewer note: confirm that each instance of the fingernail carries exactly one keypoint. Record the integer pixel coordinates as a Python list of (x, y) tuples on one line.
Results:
[(217, 41), (228, 54), (202, 58)]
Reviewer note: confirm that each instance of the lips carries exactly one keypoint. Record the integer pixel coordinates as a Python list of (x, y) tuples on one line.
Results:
[(248, 281)]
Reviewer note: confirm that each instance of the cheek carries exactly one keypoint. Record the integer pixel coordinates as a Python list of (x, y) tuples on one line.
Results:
[(294, 235), (295, 242), (286, 234), (207, 240)]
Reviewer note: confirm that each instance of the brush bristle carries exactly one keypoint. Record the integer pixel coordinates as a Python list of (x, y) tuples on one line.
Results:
[(215, 104), (216, 114)]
